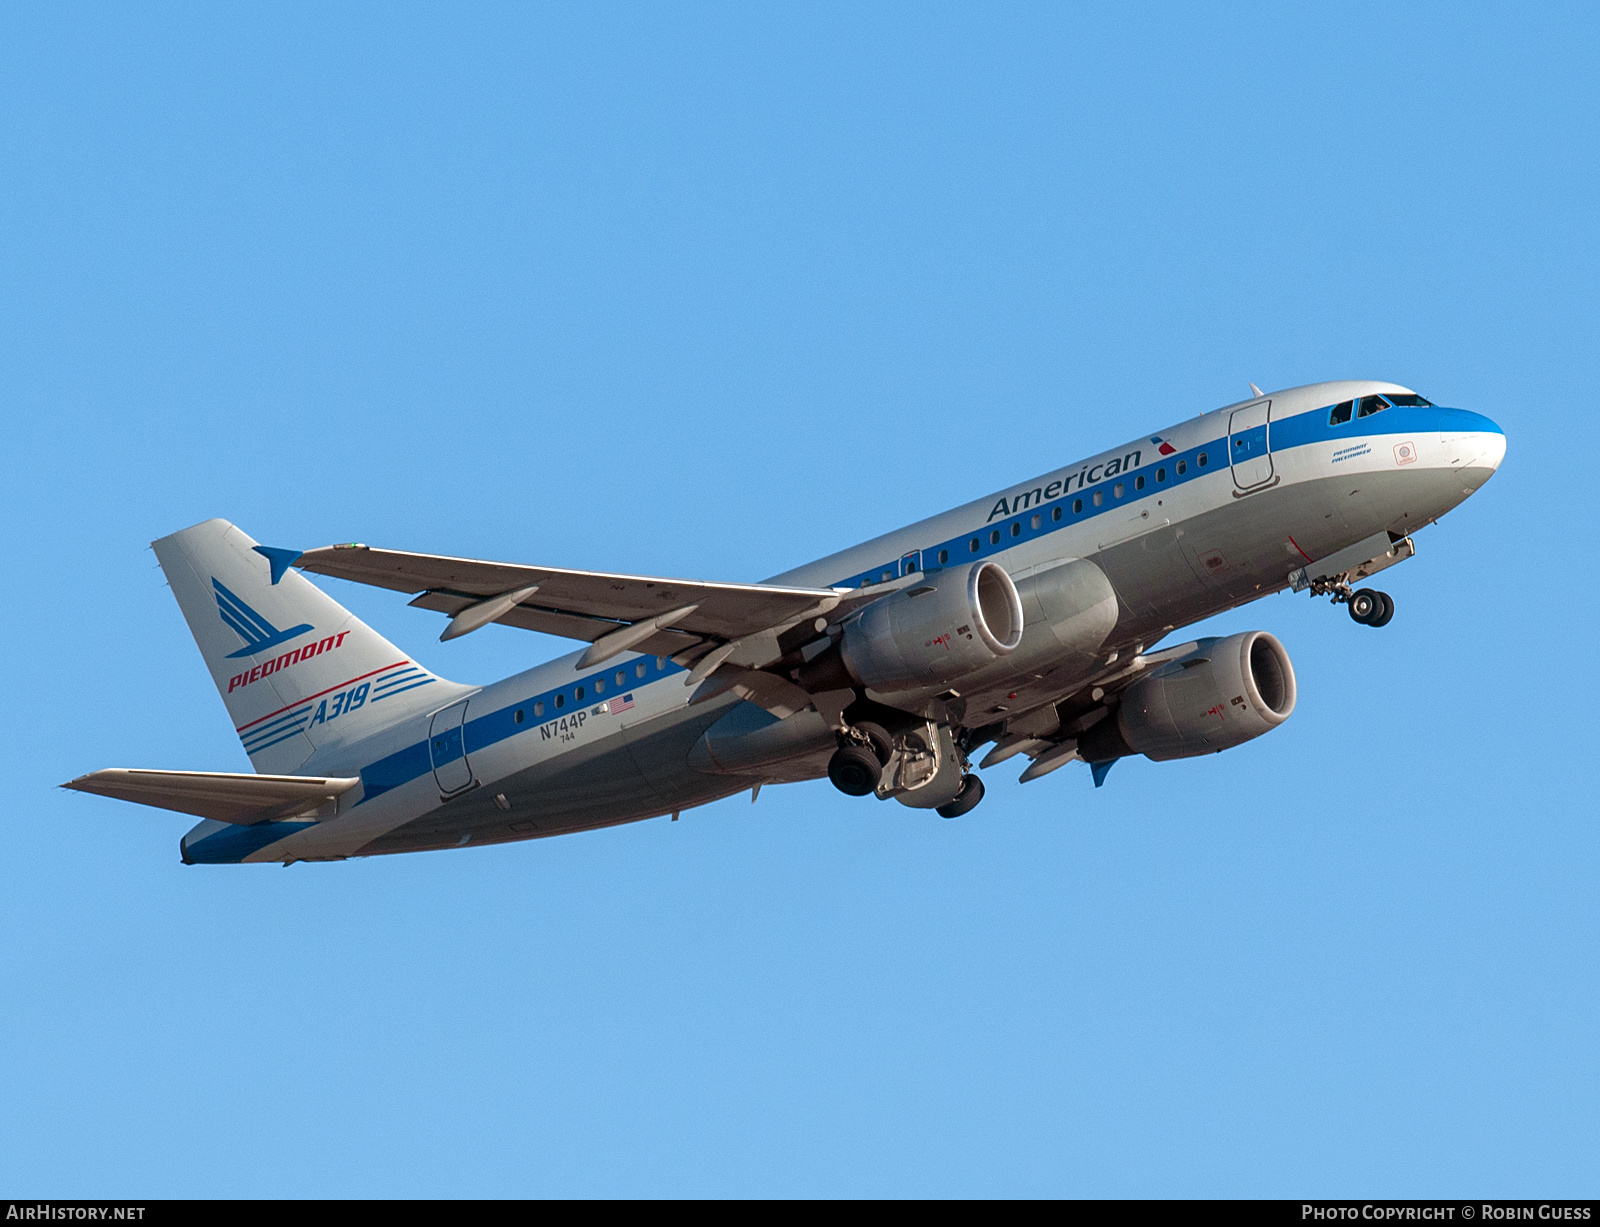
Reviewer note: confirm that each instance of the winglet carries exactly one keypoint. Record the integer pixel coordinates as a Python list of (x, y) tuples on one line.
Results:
[(1100, 769), (278, 559)]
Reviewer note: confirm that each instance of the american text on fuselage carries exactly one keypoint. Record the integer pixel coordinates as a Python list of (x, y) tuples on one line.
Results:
[(1028, 621)]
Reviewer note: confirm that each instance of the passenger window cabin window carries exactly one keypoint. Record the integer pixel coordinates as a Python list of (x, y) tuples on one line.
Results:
[(538, 709), (1016, 528), (1055, 512), (1340, 413), (1368, 405), (1116, 490), (599, 685), (1161, 475), (1077, 506), (1036, 522), (561, 701), (621, 679), (944, 557), (1183, 467), (638, 669), (578, 694), (661, 663), (1138, 483), (1202, 459), (994, 537), (518, 716), (1099, 497), (973, 545)]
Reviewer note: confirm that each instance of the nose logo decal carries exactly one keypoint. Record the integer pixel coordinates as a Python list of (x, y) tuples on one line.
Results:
[(1405, 453)]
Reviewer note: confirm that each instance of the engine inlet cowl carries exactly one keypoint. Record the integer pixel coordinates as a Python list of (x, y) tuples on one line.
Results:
[(1222, 694), (936, 632)]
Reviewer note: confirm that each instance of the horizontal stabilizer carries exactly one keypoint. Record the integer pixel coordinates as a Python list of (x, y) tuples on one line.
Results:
[(224, 796)]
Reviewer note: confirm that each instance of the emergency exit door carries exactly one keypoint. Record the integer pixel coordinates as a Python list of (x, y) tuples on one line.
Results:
[(448, 750), (1250, 445)]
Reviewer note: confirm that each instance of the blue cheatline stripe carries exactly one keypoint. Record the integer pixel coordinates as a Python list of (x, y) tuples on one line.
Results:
[(273, 725), (1301, 430), (287, 736), (389, 694), (273, 738), (395, 679), (414, 761), (232, 845)]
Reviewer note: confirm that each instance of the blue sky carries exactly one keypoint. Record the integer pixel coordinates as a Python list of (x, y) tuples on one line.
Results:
[(711, 291)]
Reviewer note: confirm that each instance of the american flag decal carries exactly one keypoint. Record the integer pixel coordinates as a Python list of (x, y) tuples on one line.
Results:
[(622, 703)]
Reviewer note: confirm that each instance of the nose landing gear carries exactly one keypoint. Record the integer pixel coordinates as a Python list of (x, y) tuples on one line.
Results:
[(1370, 607)]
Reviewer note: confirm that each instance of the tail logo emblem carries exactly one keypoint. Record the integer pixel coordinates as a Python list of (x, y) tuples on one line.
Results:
[(258, 634)]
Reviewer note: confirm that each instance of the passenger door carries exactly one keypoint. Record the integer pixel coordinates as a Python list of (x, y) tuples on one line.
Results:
[(448, 749), (1249, 447)]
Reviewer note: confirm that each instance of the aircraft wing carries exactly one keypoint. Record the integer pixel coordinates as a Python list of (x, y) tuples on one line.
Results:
[(615, 613), (226, 796)]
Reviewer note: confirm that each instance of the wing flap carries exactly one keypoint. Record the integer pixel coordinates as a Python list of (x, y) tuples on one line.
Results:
[(226, 796)]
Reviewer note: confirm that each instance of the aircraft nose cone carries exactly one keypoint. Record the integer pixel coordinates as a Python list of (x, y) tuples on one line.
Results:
[(1482, 448), (1494, 449)]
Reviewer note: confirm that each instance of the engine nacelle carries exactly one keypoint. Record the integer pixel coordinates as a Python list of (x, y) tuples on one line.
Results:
[(1224, 693), (930, 635), (750, 741)]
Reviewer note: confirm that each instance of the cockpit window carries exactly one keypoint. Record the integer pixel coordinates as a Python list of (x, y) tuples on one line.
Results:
[(1368, 405), (1340, 413), (1408, 400)]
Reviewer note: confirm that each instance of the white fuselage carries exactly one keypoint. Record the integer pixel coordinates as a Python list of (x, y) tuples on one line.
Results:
[(1205, 516)]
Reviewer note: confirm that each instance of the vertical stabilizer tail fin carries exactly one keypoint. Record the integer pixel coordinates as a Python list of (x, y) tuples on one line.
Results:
[(297, 671)]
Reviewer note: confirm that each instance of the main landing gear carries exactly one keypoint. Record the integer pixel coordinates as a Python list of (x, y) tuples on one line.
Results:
[(966, 800), (1370, 607), (854, 770), (917, 769), (857, 765)]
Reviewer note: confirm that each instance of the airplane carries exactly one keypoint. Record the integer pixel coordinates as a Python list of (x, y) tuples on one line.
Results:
[(1026, 621)]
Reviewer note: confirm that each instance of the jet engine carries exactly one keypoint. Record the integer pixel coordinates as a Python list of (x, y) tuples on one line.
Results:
[(956, 621), (1221, 695)]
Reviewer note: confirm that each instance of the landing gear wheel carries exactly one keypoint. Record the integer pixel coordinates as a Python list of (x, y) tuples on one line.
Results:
[(882, 743), (966, 800), (1365, 606), (854, 770), (1388, 610)]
